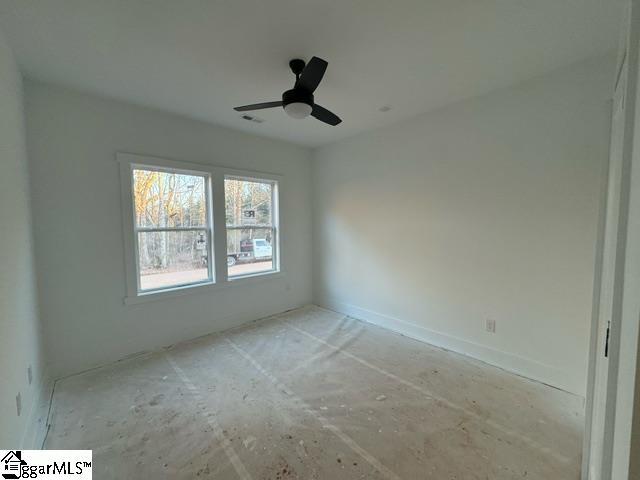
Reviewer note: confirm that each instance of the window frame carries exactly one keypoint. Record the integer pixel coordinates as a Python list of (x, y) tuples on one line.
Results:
[(208, 227), (274, 227), (217, 235)]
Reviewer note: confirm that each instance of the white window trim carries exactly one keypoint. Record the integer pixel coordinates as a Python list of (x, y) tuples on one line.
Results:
[(217, 245)]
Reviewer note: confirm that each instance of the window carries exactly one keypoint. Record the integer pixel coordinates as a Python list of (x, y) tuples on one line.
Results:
[(172, 227), (251, 221), (174, 220)]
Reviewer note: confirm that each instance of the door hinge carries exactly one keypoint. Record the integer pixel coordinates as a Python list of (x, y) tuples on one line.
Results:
[(606, 342)]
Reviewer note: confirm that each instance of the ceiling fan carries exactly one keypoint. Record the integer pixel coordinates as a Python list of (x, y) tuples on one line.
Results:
[(298, 102)]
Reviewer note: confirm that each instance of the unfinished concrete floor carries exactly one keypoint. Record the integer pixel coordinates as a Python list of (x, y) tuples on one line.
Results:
[(311, 394)]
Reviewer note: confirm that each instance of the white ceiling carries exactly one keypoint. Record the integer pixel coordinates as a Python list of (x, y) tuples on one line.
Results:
[(201, 58)]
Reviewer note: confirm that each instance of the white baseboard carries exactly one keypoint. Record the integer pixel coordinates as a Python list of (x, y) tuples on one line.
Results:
[(511, 362), (222, 324), (36, 425)]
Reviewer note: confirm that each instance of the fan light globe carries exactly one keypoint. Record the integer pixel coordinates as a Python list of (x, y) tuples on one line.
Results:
[(298, 110)]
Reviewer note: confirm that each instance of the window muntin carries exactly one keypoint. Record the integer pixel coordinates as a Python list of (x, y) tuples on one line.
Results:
[(251, 214), (172, 228)]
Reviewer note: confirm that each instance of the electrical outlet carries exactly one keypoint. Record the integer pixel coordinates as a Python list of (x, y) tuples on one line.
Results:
[(19, 404), (30, 374), (490, 325)]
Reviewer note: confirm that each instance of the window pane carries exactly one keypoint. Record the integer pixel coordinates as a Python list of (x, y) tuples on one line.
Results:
[(164, 199), (249, 250), (168, 259), (248, 202)]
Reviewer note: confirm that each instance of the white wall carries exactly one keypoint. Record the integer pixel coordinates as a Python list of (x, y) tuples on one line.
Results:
[(73, 140), (484, 209), (20, 344)]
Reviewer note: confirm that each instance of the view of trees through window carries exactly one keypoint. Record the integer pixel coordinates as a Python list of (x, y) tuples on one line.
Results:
[(171, 221), (250, 226)]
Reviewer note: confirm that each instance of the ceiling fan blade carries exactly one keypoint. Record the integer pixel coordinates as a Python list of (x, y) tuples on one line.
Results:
[(312, 74), (258, 106), (325, 115)]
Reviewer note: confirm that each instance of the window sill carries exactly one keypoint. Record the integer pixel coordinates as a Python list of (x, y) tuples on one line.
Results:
[(202, 288), (247, 276)]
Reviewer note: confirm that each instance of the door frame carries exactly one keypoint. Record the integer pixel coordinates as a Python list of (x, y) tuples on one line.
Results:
[(623, 387)]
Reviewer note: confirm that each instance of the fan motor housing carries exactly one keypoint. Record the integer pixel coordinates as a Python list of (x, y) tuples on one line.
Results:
[(297, 95)]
